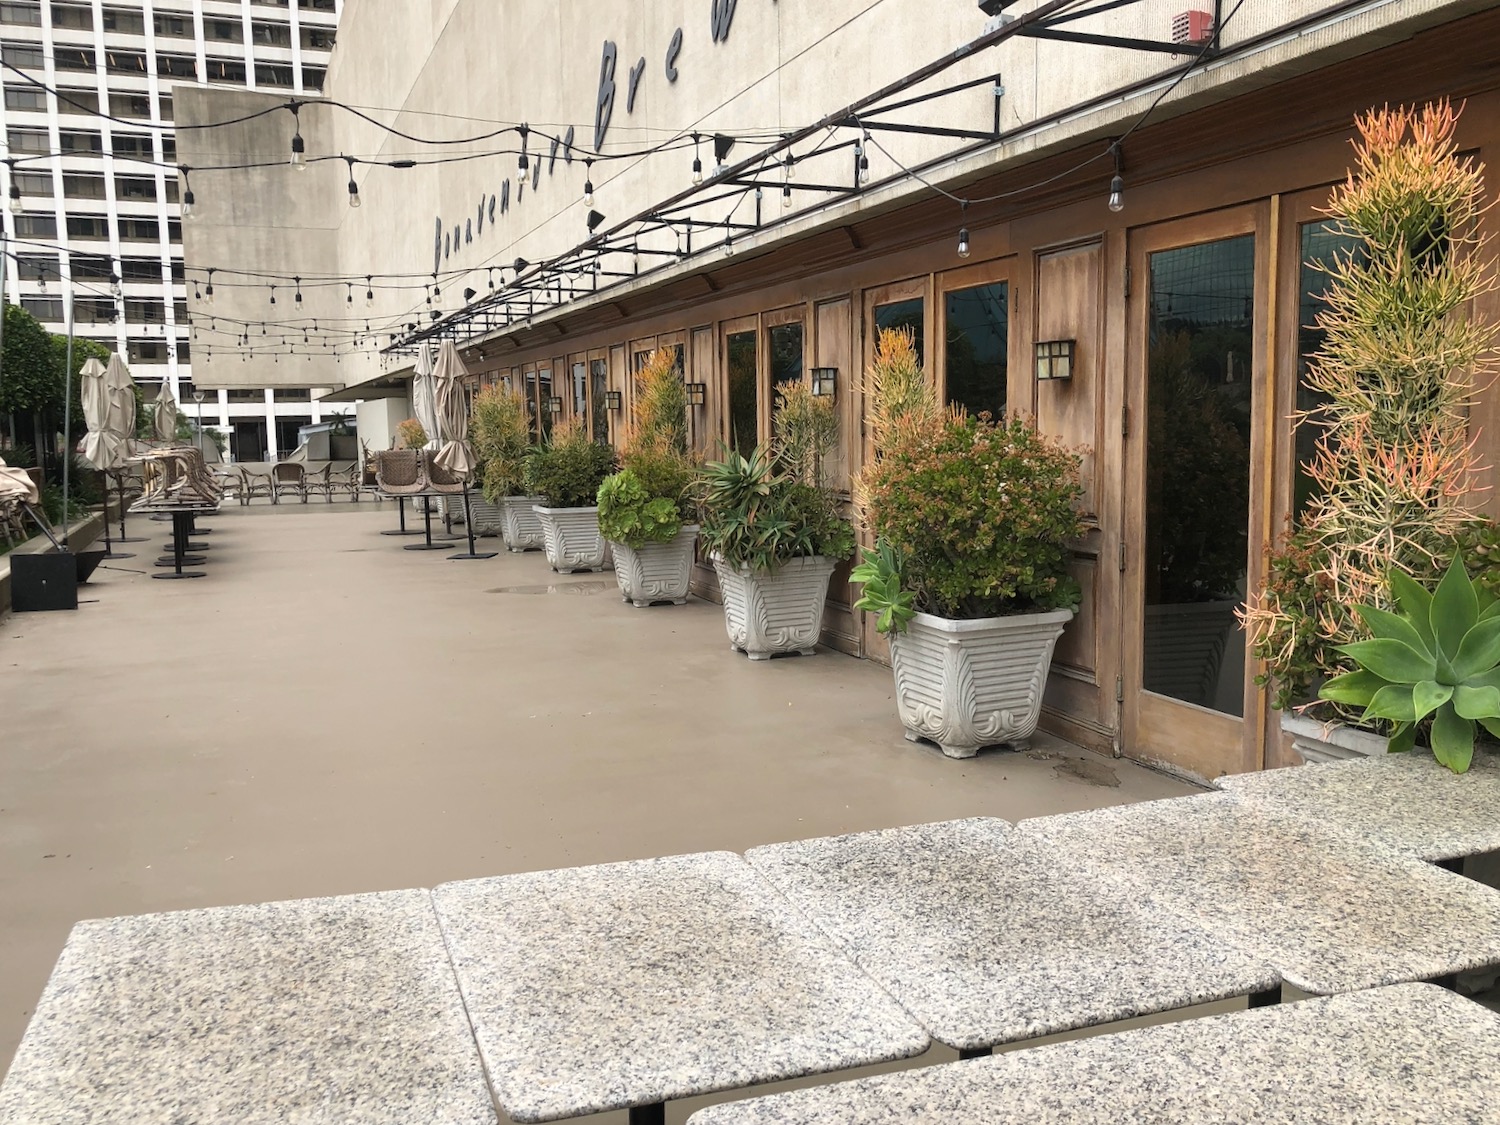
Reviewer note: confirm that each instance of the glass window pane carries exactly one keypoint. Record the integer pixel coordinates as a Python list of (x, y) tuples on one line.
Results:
[(785, 346), (978, 335), (598, 407), (544, 400), (742, 415), (1321, 243), (1198, 471), (904, 314), (580, 391)]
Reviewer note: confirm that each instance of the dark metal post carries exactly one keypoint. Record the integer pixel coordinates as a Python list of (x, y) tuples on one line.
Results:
[(469, 526)]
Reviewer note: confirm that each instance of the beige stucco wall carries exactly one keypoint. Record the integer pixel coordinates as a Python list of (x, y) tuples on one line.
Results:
[(447, 69)]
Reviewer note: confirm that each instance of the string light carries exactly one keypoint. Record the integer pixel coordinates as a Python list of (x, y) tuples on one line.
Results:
[(588, 183), (369, 289), (697, 163), (208, 290), (298, 280), (273, 294), (353, 187), (1117, 181), (522, 162), (299, 147), (963, 233), (187, 192)]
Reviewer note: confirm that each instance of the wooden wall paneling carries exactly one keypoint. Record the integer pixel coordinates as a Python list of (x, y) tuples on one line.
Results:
[(828, 345), (619, 380), (703, 421)]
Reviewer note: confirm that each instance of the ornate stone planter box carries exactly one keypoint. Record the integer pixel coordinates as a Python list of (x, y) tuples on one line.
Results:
[(486, 516), (656, 572), (1331, 742), (967, 684), (571, 538), (519, 524), (767, 614)]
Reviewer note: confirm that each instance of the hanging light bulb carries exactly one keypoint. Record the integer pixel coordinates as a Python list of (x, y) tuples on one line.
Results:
[(353, 192), (697, 162), (1117, 181), (588, 183), (522, 162), (369, 289), (298, 280), (273, 294), (299, 151), (114, 286), (728, 239), (208, 290), (348, 294), (635, 257), (963, 232), (187, 204)]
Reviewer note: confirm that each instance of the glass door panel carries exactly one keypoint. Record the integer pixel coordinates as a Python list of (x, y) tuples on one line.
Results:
[(977, 334), (740, 362), (1199, 392)]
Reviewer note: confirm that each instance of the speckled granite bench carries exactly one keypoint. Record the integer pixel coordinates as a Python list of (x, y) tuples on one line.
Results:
[(341, 1011), (1407, 802), (1331, 912), (632, 984), (1412, 1053), (987, 939)]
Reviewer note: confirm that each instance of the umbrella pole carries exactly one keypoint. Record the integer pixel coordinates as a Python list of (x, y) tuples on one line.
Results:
[(68, 413), (469, 525)]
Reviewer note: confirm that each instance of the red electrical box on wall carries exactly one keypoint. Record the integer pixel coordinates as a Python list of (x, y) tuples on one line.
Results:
[(1192, 29)]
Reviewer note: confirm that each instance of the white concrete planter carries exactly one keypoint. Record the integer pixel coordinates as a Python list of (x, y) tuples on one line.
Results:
[(519, 524), (486, 516), (767, 614), (1331, 742), (967, 684), (656, 572), (571, 538)]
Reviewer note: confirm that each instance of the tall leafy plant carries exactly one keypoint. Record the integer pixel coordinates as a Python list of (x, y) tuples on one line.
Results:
[(501, 437), (972, 517), (649, 499), (568, 470), (1395, 466)]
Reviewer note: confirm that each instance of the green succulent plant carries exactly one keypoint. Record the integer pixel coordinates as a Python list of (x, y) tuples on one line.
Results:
[(630, 514), (880, 574), (1439, 657)]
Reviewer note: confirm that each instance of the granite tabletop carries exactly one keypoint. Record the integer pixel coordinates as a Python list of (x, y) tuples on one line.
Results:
[(1414, 1054), (1331, 912), (333, 1011), (984, 937), (628, 984), (1406, 801)]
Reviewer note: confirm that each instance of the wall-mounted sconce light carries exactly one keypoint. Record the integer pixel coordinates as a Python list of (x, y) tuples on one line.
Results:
[(697, 393), (825, 381), (614, 400), (554, 404), (1054, 359)]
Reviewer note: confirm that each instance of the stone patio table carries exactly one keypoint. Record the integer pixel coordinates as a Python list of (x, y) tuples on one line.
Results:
[(631, 984), (1411, 1053), (1332, 913), (987, 939), (1406, 801), (331, 1011)]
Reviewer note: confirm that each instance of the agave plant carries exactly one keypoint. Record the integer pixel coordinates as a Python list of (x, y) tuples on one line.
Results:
[(1438, 657)]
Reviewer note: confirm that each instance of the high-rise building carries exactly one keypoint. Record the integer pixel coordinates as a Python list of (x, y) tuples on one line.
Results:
[(87, 117)]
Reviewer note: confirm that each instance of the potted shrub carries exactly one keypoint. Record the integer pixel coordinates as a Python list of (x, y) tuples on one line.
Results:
[(566, 474), (410, 435), (1394, 471), (501, 439), (774, 532), (969, 576), (645, 510)]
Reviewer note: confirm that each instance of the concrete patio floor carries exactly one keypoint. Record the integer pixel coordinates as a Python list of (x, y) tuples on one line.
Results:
[(327, 713)]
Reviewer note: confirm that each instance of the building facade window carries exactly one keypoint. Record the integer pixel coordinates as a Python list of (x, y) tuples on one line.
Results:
[(24, 58), (268, 75), (83, 185), (21, 13), (77, 101), (740, 361), (89, 226), (125, 62), (124, 21), (224, 70), (268, 34), (908, 316), (73, 17), (28, 98), (176, 66), (27, 140), (34, 225), (317, 38)]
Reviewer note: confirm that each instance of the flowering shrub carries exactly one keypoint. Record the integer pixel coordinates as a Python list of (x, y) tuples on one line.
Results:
[(980, 515)]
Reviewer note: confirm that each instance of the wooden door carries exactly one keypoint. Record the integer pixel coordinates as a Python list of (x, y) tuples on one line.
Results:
[(1195, 488)]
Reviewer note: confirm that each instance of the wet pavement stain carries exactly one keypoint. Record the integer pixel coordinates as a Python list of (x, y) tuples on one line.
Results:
[(578, 589), (1087, 771)]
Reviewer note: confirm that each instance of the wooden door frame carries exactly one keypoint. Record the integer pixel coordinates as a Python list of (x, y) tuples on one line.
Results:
[(1202, 742)]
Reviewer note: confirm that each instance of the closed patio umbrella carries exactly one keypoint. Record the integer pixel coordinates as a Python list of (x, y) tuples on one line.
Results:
[(121, 422), (164, 413), (424, 395), (456, 456), (101, 447)]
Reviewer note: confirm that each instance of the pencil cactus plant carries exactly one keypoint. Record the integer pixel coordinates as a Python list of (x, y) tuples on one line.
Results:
[(1395, 466)]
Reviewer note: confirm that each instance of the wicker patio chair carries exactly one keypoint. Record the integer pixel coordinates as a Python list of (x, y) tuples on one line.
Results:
[(320, 483), (349, 479), (400, 472), (442, 481), (253, 484), (289, 479)]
